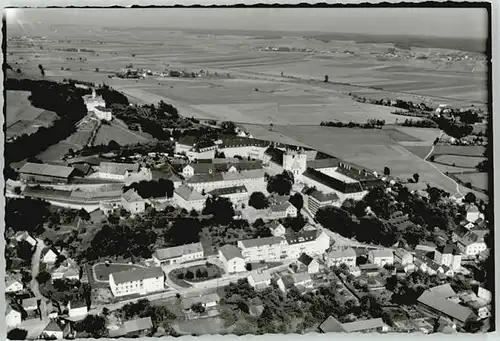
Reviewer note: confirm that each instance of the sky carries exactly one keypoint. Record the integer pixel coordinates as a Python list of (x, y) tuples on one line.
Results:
[(439, 22)]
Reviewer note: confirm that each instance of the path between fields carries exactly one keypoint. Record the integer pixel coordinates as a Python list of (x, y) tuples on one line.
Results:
[(436, 168)]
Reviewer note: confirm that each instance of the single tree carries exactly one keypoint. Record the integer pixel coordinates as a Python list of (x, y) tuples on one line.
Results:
[(470, 198), (326, 78), (416, 177), (189, 274), (43, 277), (387, 171), (258, 201), (198, 308), (17, 334), (297, 200)]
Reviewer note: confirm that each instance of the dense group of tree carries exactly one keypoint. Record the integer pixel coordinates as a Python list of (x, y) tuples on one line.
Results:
[(153, 188), (280, 183), (220, 208), (401, 104), (121, 241), (453, 128), (63, 99), (419, 123), (26, 215), (280, 309), (160, 315), (258, 200), (351, 220), (370, 124)]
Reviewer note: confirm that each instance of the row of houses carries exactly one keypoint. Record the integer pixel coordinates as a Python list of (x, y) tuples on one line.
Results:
[(275, 248)]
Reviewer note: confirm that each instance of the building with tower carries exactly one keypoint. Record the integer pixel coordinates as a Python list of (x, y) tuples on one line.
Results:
[(295, 161)]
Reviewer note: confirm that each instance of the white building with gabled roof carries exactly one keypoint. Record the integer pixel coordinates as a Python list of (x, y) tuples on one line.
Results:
[(178, 254), (133, 202), (232, 259), (189, 198), (137, 281)]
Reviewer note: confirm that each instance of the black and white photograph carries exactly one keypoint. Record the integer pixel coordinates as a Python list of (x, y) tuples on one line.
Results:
[(246, 171)]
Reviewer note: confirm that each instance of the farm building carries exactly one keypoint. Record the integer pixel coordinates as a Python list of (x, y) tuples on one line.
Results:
[(178, 254), (116, 171), (39, 172)]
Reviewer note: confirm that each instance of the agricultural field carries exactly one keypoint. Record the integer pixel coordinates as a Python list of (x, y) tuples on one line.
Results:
[(22, 117), (478, 180), (459, 161), (459, 150), (117, 131), (359, 146)]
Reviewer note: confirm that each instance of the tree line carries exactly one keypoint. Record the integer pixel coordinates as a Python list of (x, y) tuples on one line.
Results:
[(370, 124), (63, 99)]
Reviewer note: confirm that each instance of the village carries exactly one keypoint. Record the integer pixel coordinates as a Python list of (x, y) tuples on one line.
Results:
[(250, 217)]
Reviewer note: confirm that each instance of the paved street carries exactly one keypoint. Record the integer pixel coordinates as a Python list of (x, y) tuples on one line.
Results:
[(35, 269)]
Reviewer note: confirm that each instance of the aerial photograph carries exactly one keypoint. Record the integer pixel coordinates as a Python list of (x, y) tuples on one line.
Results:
[(194, 171)]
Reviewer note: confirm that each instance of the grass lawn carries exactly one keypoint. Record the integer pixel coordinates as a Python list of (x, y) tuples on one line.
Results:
[(212, 271), (172, 275), (210, 325), (102, 271), (119, 132)]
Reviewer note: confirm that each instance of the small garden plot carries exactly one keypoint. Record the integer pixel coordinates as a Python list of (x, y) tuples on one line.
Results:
[(198, 273), (459, 161), (102, 270)]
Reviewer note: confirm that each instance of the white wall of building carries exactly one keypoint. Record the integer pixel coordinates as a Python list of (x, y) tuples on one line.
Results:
[(141, 287), (188, 205)]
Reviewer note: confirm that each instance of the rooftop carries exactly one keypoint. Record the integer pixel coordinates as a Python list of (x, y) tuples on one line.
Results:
[(228, 190), (449, 249), (53, 326), (136, 274), (260, 276), (445, 306), (46, 170), (131, 196), (301, 237), (300, 277), (342, 252), (323, 163), (178, 251), (248, 243), (305, 259), (188, 194), (187, 302), (118, 168), (382, 253), (230, 252), (324, 197)]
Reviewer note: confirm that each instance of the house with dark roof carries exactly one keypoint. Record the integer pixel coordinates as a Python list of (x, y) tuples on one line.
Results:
[(178, 254), (232, 259), (137, 281), (236, 194), (436, 304), (308, 264), (449, 256), (45, 173), (332, 325)]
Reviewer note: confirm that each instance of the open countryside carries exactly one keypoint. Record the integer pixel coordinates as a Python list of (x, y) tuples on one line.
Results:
[(169, 181)]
